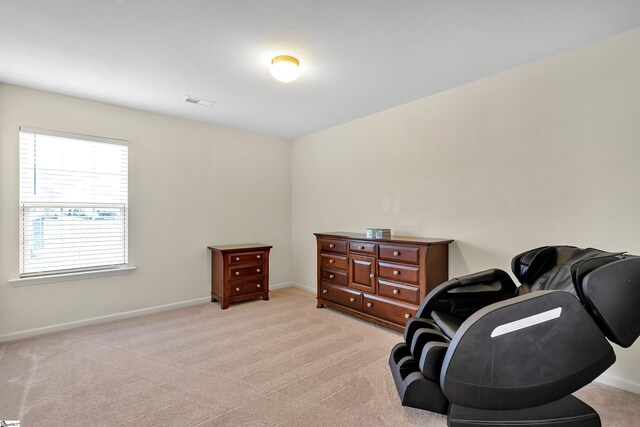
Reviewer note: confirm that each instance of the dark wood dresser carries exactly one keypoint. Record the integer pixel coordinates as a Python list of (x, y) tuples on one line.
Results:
[(239, 272), (380, 280)]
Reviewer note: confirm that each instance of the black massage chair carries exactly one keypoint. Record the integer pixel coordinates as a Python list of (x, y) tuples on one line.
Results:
[(487, 352)]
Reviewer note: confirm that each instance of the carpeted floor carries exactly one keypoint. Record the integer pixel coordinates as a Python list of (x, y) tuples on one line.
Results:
[(281, 362)]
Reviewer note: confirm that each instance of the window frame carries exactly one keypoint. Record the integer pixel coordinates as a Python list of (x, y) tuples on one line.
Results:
[(48, 276)]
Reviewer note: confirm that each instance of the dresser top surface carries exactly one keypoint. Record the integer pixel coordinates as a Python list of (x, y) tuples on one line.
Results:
[(240, 247), (392, 239)]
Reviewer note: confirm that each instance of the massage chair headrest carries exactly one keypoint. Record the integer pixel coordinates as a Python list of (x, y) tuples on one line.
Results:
[(530, 264), (609, 288)]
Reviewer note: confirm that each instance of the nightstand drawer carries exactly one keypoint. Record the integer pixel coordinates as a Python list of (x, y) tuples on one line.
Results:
[(244, 288), (400, 273), (240, 273), (340, 295), (243, 258)]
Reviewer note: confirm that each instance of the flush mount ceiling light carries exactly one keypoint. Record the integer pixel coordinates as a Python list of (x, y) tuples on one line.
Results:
[(285, 68)]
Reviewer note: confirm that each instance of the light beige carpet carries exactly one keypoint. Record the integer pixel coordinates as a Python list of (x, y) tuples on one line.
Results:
[(281, 362)]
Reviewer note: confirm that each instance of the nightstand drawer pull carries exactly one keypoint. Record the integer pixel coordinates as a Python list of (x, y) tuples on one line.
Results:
[(331, 261), (352, 299), (331, 245), (331, 276), (396, 253), (407, 316), (369, 304), (258, 256), (372, 275), (396, 272), (324, 291), (257, 270), (237, 273), (396, 291), (237, 289), (237, 258), (258, 285)]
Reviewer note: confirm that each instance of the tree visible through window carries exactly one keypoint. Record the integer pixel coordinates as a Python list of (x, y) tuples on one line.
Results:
[(73, 202)]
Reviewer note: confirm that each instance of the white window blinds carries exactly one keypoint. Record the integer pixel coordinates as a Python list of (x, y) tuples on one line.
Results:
[(73, 202)]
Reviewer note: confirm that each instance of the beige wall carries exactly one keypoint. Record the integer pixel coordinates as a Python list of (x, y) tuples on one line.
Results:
[(547, 153), (191, 185)]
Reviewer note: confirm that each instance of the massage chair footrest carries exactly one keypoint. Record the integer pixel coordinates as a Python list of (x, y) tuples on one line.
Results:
[(414, 389), (566, 412)]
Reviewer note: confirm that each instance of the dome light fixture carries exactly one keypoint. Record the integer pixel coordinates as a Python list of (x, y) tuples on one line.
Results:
[(285, 68)]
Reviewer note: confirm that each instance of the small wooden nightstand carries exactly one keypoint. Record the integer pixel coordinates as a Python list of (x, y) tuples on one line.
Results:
[(239, 272)]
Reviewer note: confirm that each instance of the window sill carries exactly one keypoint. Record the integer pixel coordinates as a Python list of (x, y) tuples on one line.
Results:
[(52, 278)]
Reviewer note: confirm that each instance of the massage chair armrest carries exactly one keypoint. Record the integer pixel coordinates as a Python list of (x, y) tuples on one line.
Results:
[(466, 294), (524, 352)]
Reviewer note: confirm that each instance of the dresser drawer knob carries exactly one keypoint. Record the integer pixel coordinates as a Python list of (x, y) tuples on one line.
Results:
[(372, 275), (237, 258), (324, 291), (396, 291), (369, 304), (362, 248), (237, 289), (258, 256), (396, 273), (237, 273), (258, 285), (331, 261), (396, 253), (331, 245), (407, 316), (331, 276), (352, 299), (257, 270)]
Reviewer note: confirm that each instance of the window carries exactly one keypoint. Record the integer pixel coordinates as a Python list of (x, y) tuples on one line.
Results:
[(73, 202)]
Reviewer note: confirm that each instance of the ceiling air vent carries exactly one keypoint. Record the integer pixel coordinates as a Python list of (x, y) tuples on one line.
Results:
[(198, 101)]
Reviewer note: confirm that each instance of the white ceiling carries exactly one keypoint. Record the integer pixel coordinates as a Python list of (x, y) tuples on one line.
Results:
[(358, 56)]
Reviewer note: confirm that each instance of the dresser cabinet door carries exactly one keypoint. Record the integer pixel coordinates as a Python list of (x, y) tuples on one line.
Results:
[(362, 273)]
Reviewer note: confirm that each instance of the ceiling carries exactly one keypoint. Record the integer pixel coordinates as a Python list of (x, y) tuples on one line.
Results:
[(357, 56)]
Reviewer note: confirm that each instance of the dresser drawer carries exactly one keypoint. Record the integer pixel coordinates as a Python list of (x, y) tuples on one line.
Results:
[(397, 291), (400, 273), (244, 288), (362, 247), (335, 276), (333, 261), (245, 257), (340, 295), (392, 311), (331, 245), (239, 273), (400, 253)]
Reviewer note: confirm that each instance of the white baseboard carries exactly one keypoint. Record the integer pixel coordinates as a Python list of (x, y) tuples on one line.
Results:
[(616, 383), (280, 285), (100, 319), (293, 285), (122, 315)]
